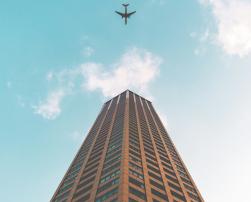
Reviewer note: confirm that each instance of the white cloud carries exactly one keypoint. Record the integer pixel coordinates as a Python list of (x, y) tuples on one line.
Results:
[(193, 34), (205, 36), (76, 135), (135, 70), (88, 51), (50, 108), (84, 38), (21, 101), (233, 20), (198, 51), (201, 38), (49, 76), (9, 84)]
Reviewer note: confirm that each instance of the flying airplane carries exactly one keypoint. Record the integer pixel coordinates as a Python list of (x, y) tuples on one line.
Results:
[(125, 15)]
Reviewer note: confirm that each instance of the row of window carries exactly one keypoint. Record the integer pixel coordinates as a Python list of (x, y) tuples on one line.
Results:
[(88, 177), (108, 185), (110, 171), (159, 145), (152, 165), (165, 161), (78, 161), (135, 163), (184, 177), (110, 176), (107, 195)]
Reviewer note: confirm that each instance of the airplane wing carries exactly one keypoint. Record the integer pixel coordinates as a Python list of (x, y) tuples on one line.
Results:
[(122, 14), (129, 14)]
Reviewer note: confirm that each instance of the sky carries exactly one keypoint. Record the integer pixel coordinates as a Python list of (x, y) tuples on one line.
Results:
[(61, 60)]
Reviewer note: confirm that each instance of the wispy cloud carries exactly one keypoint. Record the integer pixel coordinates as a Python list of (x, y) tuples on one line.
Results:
[(202, 38), (160, 2), (9, 84), (49, 76), (21, 101), (76, 135), (233, 21), (88, 51), (135, 70), (50, 108)]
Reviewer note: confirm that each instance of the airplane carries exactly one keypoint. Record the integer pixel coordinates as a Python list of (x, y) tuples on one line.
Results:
[(125, 15)]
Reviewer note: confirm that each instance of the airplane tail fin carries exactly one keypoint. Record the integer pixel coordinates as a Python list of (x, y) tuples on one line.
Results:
[(125, 5)]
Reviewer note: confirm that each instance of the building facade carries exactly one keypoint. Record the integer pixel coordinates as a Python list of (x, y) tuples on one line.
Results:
[(127, 156)]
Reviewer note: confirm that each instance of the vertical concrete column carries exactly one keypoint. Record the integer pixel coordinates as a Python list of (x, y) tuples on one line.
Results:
[(123, 187)]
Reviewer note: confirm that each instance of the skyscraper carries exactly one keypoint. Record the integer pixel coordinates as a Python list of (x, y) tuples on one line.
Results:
[(127, 156)]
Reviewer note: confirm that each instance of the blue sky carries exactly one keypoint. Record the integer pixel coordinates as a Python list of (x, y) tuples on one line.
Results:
[(61, 60)]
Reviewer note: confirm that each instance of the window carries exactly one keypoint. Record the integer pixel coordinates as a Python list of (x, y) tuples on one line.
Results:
[(109, 169), (134, 149), (63, 196), (134, 153), (193, 196), (179, 196), (111, 162), (150, 157), (160, 186), (88, 174), (164, 159), (69, 177), (169, 172), (190, 188), (131, 142), (137, 193), (148, 144), (91, 167), (182, 174), (133, 165), (150, 152), (76, 167), (136, 182), (134, 159), (107, 185), (63, 189), (151, 162), (84, 198), (112, 155), (172, 179), (174, 186), (68, 182), (107, 195), (152, 168), (86, 182), (134, 173), (154, 176), (181, 168), (116, 138), (82, 191), (185, 180), (132, 200), (157, 193), (110, 176), (113, 147)]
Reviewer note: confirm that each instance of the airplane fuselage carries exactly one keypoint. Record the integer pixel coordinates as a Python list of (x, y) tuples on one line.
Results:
[(126, 16)]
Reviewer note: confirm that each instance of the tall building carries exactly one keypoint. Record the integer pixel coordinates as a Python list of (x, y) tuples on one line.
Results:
[(127, 156)]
